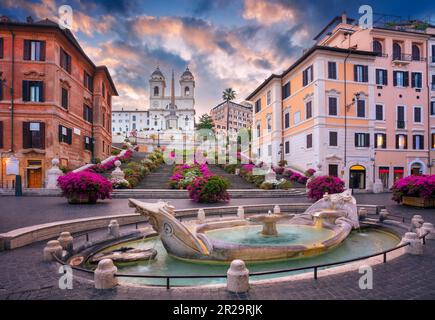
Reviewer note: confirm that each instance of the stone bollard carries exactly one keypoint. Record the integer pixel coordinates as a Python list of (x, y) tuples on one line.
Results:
[(362, 213), (53, 174), (201, 216), (113, 228), (52, 247), (428, 228), (238, 277), (415, 246), (104, 275), (416, 223), (383, 214), (276, 209), (66, 241), (241, 212)]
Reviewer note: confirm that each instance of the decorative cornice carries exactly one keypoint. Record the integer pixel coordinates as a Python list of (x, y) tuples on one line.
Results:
[(34, 74)]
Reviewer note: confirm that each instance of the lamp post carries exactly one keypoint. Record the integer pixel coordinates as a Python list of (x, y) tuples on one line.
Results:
[(158, 138)]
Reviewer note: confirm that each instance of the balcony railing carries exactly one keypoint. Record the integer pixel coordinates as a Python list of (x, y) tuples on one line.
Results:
[(401, 124), (405, 57)]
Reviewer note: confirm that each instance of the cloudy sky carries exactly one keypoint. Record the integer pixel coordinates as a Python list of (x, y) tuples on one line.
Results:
[(225, 43)]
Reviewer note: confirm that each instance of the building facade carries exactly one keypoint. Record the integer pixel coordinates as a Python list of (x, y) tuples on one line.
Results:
[(54, 101), (231, 116), (356, 105), (126, 120)]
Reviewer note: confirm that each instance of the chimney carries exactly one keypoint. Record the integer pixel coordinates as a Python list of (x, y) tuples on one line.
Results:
[(344, 17)]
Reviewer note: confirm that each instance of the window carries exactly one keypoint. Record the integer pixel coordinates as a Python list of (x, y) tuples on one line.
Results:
[(286, 90), (33, 135), (401, 78), (88, 143), (34, 50), (307, 75), (380, 140), (333, 139), (64, 98), (309, 141), (384, 175), (187, 91), (268, 97), (433, 54), (297, 117), (401, 117), (308, 110), (286, 119), (381, 77), (416, 80), (269, 150), (257, 105), (433, 140), (379, 112), (418, 142), (333, 170), (258, 129), (287, 147), (377, 48), (417, 114), (65, 134), (1, 48), (65, 60), (361, 73), (332, 70), (362, 140), (87, 113), (361, 109), (33, 91), (432, 108), (1, 89), (332, 106), (401, 141), (87, 81), (134, 118), (103, 89), (259, 152), (397, 51), (269, 123), (416, 52)]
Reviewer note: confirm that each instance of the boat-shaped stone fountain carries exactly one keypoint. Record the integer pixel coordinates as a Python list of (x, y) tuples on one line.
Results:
[(261, 237)]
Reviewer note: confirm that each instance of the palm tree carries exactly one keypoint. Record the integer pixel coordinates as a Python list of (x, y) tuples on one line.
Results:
[(228, 94)]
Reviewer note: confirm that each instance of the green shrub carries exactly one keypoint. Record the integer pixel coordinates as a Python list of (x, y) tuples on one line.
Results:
[(230, 168), (285, 185), (266, 186), (115, 152)]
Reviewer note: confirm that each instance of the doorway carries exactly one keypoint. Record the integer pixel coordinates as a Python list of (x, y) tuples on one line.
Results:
[(416, 169), (34, 174), (357, 177)]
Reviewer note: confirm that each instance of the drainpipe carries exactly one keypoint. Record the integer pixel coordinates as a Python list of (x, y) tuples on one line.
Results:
[(429, 88), (12, 91)]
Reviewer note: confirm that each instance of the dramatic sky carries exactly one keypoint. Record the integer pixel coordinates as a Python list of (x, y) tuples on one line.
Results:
[(225, 43)]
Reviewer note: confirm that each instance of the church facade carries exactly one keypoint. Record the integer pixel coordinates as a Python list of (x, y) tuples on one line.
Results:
[(168, 110)]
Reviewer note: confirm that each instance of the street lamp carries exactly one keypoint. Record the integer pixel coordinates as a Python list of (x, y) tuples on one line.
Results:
[(158, 138)]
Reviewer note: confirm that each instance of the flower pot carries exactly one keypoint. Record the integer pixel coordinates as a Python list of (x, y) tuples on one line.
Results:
[(83, 198), (419, 202)]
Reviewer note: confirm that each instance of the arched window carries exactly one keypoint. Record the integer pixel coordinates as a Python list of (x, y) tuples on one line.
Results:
[(187, 91), (156, 91), (415, 52), (397, 51), (377, 47)]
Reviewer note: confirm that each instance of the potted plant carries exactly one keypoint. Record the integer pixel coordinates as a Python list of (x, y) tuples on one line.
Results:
[(318, 186), (84, 187), (417, 191)]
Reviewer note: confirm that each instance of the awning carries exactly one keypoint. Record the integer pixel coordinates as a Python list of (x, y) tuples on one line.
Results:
[(357, 168)]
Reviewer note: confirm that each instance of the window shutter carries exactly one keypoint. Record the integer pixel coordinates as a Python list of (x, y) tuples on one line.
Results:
[(365, 73), (42, 52), (414, 142), (419, 80), (355, 73), (1, 89), (395, 78), (406, 141), (26, 96), (378, 80), (60, 133), (385, 77), (69, 139), (1, 134), (1, 48), (304, 78), (406, 79), (26, 51), (27, 138), (384, 141), (42, 135), (397, 141), (367, 140), (422, 142), (41, 91), (356, 139), (312, 73)]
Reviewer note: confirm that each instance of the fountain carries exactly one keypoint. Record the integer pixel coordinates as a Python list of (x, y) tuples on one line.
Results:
[(322, 226)]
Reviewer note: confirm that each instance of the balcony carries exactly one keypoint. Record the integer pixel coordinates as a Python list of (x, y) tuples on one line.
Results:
[(405, 58), (401, 124)]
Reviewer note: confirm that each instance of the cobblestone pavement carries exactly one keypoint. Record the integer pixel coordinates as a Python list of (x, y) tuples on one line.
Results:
[(23, 275)]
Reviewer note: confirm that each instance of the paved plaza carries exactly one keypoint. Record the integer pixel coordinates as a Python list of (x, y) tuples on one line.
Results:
[(23, 274)]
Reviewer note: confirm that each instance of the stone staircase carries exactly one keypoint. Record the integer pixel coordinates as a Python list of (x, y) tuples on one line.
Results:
[(158, 179), (236, 182)]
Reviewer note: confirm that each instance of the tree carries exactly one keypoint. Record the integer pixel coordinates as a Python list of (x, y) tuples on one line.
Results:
[(228, 94), (205, 122)]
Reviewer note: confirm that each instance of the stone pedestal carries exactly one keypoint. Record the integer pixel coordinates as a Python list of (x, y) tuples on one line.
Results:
[(362, 213), (53, 174), (270, 176), (238, 277), (428, 228), (378, 187), (416, 223), (241, 212), (113, 228), (117, 174), (415, 245), (104, 275), (383, 214), (276, 209), (201, 216), (52, 247), (66, 241)]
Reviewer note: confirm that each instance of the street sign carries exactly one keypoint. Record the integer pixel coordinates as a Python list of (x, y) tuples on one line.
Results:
[(13, 166)]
